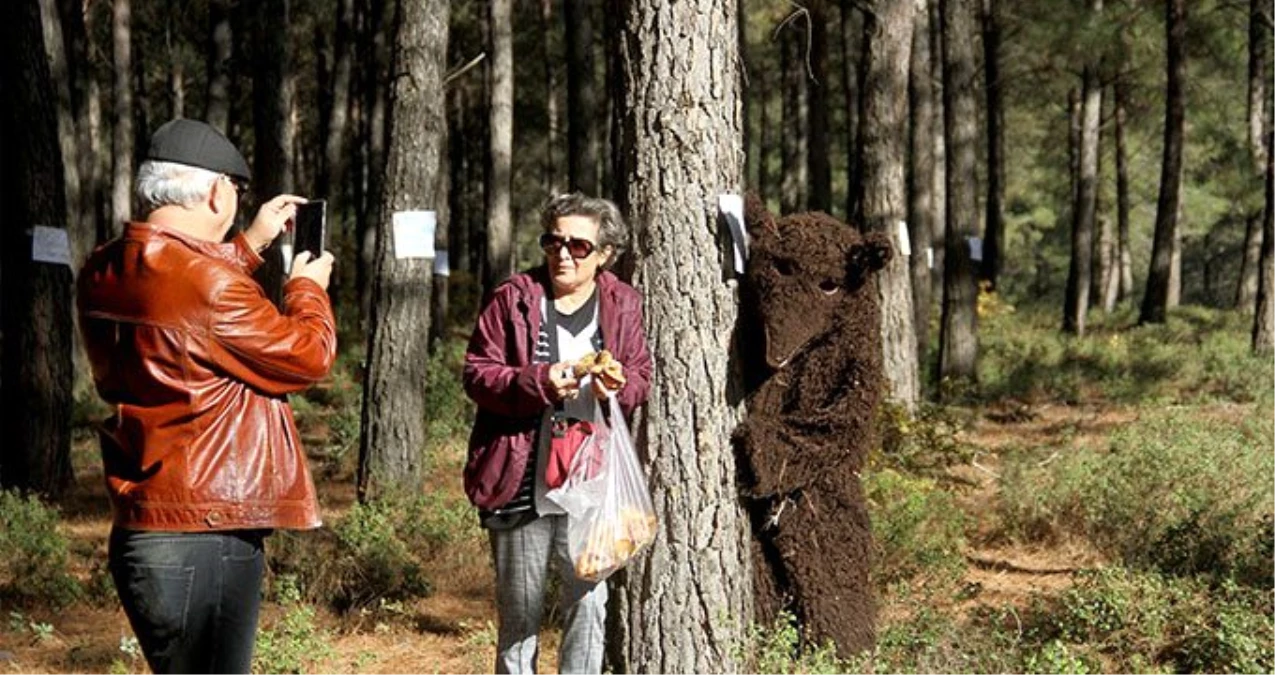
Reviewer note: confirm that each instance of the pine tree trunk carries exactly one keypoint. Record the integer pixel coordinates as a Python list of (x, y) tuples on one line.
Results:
[(499, 252), (958, 335), (921, 175), (1259, 38), (994, 227), (175, 83), (1264, 317), (887, 33), (678, 159), (273, 127), (793, 132), (391, 451), (80, 63), (817, 166), (549, 170), (220, 50), (122, 140), (35, 367), (582, 100), (850, 33), (1084, 209), (1246, 281), (1122, 193), (1156, 300), (938, 231)]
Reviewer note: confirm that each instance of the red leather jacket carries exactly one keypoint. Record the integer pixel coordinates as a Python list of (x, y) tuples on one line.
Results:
[(197, 362), (512, 392)]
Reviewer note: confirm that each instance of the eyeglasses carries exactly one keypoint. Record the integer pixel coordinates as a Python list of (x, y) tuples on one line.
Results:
[(240, 185), (578, 248)]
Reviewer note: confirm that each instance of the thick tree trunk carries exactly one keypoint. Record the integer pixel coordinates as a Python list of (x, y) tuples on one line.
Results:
[(273, 125), (678, 159), (1264, 317), (850, 32), (921, 175), (994, 225), (549, 170), (1259, 38), (938, 231), (1122, 194), (175, 84), (793, 133), (887, 34), (122, 140), (392, 445), (218, 53), (1084, 208), (958, 335), (1247, 279), (369, 16), (820, 142), (582, 99), (35, 367), (82, 190), (1156, 300), (500, 90)]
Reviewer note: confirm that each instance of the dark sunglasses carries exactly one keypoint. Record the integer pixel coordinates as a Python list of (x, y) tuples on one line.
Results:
[(578, 248)]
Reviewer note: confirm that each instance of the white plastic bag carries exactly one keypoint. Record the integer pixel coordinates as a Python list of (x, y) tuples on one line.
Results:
[(610, 518)]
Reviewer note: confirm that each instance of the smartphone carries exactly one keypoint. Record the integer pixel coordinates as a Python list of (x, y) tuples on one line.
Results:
[(310, 228)]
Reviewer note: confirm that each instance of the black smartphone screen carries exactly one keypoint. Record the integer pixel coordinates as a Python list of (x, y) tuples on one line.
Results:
[(310, 232)]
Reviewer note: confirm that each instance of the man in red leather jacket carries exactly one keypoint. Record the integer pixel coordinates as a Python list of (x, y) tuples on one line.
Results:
[(202, 457)]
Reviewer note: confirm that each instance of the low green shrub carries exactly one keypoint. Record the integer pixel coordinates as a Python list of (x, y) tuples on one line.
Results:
[(376, 551), (1180, 493), (1143, 621), (781, 648), (34, 554), (1198, 354), (294, 642), (917, 529), (925, 442)]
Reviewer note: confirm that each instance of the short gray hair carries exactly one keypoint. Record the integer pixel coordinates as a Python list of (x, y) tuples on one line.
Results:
[(169, 183), (612, 232)]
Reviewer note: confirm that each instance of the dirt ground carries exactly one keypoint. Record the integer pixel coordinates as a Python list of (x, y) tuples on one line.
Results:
[(453, 629)]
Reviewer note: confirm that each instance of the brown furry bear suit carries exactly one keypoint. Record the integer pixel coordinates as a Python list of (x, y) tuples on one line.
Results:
[(813, 371)]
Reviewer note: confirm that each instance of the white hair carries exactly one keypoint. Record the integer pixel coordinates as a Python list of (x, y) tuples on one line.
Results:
[(169, 183)]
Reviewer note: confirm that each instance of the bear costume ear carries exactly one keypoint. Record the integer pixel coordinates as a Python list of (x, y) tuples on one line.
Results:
[(757, 218), (866, 256)]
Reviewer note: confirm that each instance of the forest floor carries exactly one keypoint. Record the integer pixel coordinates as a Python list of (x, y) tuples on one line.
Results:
[(452, 630)]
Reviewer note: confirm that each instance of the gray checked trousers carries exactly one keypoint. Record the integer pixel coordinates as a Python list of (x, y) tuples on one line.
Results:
[(522, 557)]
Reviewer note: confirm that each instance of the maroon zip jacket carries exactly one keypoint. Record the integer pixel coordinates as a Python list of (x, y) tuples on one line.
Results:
[(512, 392)]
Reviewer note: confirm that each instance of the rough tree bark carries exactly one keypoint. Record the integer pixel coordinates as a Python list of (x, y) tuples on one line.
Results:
[(582, 99), (218, 52), (850, 31), (793, 135), (1119, 94), (958, 334), (35, 367), (500, 92), (994, 225), (122, 139), (1259, 37), (684, 606), (1159, 291), (274, 127), (938, 232), (549, 170), (1084, 208), (921, 174), (392, 445), (820, 142), (1264, 317), (887, 39)]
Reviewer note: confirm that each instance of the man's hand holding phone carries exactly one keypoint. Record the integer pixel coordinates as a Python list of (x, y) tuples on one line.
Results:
[(272, 219), (318, 269)]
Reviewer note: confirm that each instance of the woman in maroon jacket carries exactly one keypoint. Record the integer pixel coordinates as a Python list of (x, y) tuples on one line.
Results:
[(518, 369)]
